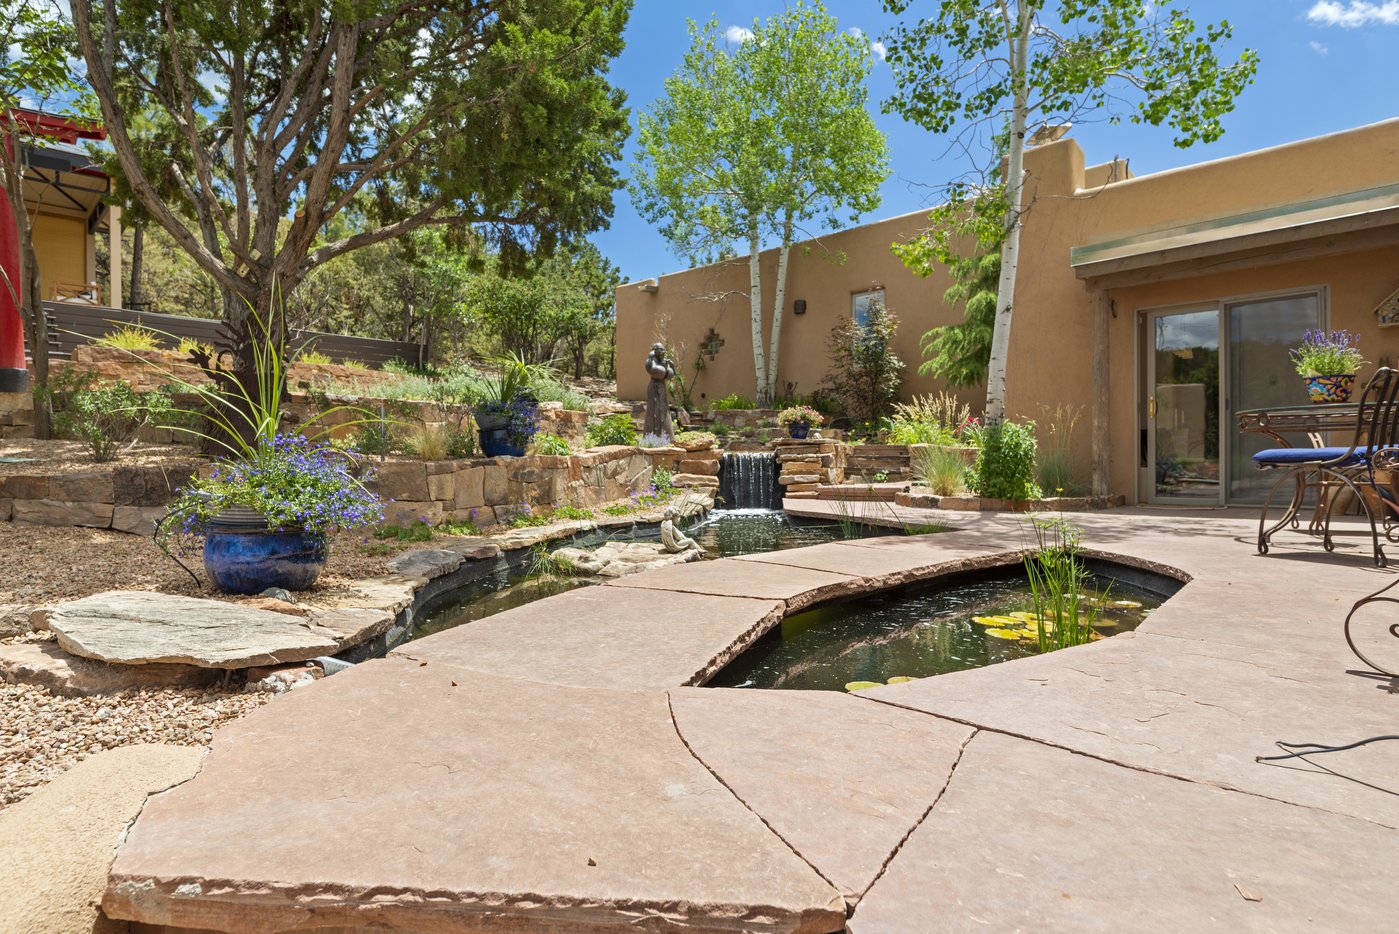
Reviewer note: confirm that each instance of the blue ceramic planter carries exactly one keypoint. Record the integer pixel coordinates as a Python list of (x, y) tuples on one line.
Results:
[(496, 442), (799, 430), (242, 556), (1327, 389)]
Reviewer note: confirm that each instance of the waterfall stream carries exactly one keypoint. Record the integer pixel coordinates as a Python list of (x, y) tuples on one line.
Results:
[(748, 480)]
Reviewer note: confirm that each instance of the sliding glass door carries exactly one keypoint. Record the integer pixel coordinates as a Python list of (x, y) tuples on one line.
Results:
[(1183, 405), (1203, 365)]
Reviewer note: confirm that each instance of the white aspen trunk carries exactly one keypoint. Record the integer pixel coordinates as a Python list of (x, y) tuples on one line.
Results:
[(777, 308), (1010, 248), (755, 300)]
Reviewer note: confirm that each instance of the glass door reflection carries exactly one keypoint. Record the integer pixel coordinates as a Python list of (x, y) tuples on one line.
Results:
[(1183, 405)]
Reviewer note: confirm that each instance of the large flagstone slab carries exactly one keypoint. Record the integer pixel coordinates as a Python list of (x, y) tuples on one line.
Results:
[(1201, 711), (1031, 838), (904, 561), (729, 577), (419, 796), (137, 627), (842, 781), (606, 637)]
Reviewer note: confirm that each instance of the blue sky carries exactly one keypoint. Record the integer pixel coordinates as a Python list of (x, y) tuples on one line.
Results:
[(1326, 65)]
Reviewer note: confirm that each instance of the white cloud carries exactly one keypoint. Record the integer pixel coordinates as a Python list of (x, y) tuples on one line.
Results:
[(1319, 48), (738, 35), (856, 31), (880, 52), (1354, 13)]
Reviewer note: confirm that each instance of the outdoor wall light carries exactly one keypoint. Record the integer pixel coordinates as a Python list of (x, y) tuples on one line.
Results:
[(799, 306)]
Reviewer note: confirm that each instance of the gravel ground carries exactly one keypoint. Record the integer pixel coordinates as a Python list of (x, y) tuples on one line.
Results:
[(26, 456), (42, 735)]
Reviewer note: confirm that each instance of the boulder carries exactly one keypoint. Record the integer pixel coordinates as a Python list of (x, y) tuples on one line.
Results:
[(426, 563), (46, 665), (133, 627), (618, 559)]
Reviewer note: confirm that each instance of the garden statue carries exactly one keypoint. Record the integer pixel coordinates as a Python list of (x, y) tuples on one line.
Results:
[(657, 407), (672, 539)]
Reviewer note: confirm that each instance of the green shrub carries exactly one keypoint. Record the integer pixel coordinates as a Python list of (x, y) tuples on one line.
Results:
[(663, 481), (545, 443), (614, 429), (941, 469), (312, 357), (865, 371), (415, 531), (930, 420), (733, 401), (1005, 465), (1056, 471), (130, 337), (572, 512), (110, 416), (697, 437)]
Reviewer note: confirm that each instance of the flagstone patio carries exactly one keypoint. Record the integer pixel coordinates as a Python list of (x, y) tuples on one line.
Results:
[(547, 769)]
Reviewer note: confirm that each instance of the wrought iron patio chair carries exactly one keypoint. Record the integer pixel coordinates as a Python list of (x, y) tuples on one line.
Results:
[(1365, 465), (1383, 622)]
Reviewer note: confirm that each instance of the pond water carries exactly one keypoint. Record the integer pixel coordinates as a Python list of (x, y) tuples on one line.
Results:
[(917, 632), (724, 533)]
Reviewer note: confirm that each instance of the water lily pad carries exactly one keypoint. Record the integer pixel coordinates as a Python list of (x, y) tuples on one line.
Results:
[(853, 686), (1025, 615), (1129, 604), (901, 679), (1010, 634)]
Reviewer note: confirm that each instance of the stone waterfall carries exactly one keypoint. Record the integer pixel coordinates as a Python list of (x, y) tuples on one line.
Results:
[(748, 480)]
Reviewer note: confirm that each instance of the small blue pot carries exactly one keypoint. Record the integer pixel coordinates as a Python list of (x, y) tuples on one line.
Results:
[(497, 442), (799, 430), (241, 555)]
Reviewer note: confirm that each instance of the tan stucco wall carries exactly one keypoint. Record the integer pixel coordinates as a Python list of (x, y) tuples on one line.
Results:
[(687, 304), (1052, 352), (1051, 347)]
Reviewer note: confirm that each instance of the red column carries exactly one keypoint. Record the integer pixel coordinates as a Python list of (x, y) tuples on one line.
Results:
[(14, 377)]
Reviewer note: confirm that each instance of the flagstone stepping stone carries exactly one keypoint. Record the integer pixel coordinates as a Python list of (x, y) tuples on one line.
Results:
[(49, 666), (505, 805), (1028, 837), (618, 559), (137, 627), (842, 780), (426, 563)]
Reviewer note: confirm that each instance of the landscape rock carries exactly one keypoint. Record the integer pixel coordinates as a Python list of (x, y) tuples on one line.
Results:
[(55, 512), (276, 606), (426, 563), (89, 487), (279, 593), (137, 520), (475, 549), (148, 486), (618, 559), (48, 666), (134, 627), (278, 679), (695, 481), (351, 626)]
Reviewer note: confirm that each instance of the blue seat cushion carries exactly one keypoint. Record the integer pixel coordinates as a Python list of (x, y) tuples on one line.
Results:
[(1277, 457)]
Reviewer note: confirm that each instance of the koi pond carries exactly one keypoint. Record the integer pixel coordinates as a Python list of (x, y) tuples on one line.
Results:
[(724, 533), (931, 629)]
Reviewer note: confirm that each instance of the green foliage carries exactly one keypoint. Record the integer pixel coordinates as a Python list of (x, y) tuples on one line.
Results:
[(1055, 456), (546, 564), (663, 482), (188, 345), (415, 531), (1323, 354), (130, 337), (733, 401), (942, 469), (696, 437), (313, 357), (960, 353), (761, 141), (1005, 465), (577, 513), (614, 429), (1065, 605), (496, 125), (939, 420), (969, 68), (797, 414), (550, 444), (110, 416), (865, 371)]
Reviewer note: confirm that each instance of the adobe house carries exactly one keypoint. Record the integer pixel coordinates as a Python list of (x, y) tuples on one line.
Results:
[(1161, 304), (64, 194)]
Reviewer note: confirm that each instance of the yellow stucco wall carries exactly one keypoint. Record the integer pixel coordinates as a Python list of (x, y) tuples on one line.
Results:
[(61, 245), (1052, 353)]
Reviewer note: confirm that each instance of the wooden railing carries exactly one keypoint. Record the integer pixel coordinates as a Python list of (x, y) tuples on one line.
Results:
[(71, 324)]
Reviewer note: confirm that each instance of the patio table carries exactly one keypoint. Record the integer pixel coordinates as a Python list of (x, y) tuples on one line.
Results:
[(1314, 420)]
